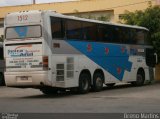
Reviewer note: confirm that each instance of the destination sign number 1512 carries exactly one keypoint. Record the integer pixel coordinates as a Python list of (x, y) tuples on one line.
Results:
[(22, 18)]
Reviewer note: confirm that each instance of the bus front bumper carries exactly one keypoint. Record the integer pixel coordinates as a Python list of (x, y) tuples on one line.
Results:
[(26, 79)]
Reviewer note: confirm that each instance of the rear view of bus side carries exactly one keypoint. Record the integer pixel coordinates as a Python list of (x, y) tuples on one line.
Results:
[(51, 52)]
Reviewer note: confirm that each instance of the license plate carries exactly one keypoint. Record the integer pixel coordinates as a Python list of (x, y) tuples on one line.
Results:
[(24, 78)]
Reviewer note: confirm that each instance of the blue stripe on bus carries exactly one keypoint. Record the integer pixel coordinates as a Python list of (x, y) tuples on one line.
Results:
[(113, 58)]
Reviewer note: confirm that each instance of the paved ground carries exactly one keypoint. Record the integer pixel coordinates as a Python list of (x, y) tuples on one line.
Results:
[(122, 98)]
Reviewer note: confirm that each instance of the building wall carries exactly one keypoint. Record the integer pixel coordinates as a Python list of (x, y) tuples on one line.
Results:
[(1, 31), (85, 6)]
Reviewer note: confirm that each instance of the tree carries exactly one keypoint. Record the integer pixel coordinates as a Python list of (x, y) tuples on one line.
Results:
[(149, 18)]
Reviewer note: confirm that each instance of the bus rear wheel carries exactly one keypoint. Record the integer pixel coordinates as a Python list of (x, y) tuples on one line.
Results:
[(84, 83), (98, 82)]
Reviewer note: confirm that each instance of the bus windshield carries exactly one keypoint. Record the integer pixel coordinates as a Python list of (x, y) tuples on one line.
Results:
[(20, 32)]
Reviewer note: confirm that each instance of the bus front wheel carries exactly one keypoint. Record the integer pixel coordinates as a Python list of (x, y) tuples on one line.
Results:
[(140, 78), (84, 83)]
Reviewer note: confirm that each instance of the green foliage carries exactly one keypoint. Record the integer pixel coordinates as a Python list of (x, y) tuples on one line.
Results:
[(104, 18), (149, 18), (133, 18)]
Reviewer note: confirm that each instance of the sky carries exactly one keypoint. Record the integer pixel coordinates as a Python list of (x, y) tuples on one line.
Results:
[(23, 2)]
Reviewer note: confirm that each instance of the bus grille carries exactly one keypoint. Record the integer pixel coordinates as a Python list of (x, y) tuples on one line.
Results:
[(70, 67), (60, 72)]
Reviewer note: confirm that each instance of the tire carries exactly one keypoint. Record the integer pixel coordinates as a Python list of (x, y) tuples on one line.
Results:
[(110, 84), (2, 79), (84, 83), (140, 79), (49, 91), (98, 80)]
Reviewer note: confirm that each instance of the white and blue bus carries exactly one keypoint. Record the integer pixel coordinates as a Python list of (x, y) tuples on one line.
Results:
[(51, 51)]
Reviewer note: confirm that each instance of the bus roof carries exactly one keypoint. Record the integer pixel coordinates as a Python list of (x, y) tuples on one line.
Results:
[(55, 14)]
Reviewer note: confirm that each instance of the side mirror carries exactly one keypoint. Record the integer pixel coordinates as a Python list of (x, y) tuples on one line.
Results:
[(156, 58)]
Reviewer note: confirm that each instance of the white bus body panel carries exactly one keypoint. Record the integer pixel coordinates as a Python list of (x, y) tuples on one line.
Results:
[(25, 79)]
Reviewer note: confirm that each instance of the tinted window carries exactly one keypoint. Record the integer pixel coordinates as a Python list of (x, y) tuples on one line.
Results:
[(105, 33), (125, 35), (147, 38), (116, 34), (73, 29), (81, 30), (89, 31), (140, 37), (57, 28), (133, 36)]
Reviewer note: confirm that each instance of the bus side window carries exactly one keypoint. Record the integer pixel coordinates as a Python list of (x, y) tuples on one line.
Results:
[(85, 29), (104, 33), (73, 29), (101, 33), (126, 36), (93, 32), (140, 37), (90, 31), (116, 34), (133, 36), (57, 28), (147, 38)]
